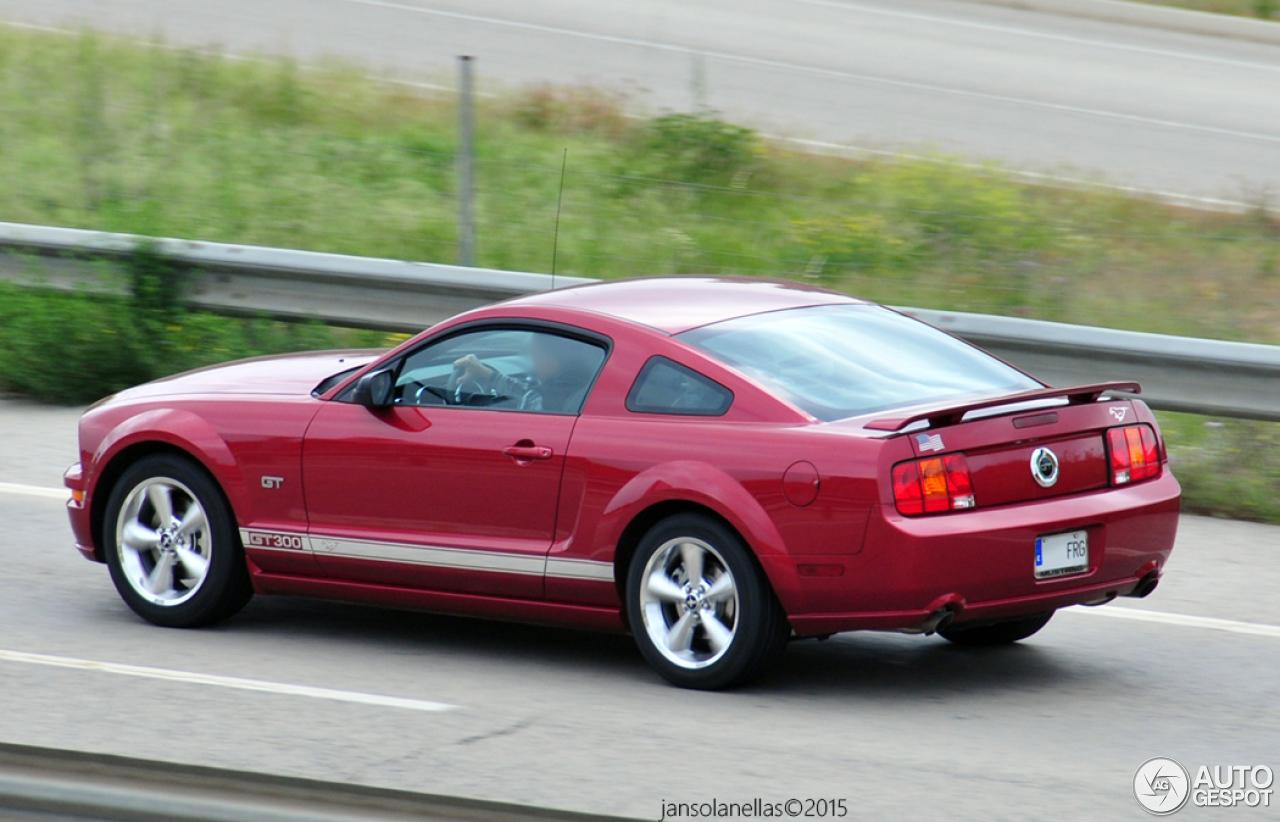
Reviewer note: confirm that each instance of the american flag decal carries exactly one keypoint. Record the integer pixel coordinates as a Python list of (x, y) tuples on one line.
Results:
[(929, 442)]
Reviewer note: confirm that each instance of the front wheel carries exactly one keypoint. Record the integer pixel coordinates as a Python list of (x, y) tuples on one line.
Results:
[(702, 613), (171, 544), (1004, 632)]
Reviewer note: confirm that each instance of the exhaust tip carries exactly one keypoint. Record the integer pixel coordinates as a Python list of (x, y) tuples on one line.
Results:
[(1145, 586), (936, 621)]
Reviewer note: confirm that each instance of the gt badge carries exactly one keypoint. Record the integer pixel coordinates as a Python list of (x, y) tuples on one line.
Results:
[(1044, 467), (272, 482)]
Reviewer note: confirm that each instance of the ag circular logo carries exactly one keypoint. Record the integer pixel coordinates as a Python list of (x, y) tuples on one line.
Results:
[(1044, 467), (1161, 786)]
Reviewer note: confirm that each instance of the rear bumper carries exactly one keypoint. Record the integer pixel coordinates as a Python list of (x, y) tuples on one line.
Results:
[(979, 564)]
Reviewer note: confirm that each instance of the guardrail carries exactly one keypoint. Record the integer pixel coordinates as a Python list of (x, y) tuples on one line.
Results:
[(1177, 373), (70, 785), (1199, 376), (361, 292)]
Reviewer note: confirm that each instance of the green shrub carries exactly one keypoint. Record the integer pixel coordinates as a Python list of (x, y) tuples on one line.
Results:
[(75, 347), (699, 149), (846, 243), (69, 348)]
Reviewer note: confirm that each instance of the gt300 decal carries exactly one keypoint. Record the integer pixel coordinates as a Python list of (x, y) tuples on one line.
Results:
[(432, 555), (273, 540)]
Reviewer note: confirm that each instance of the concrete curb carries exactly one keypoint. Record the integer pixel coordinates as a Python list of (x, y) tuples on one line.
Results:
[(1161, 17)]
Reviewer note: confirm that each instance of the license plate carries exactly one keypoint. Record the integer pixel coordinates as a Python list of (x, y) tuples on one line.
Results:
[(1060, 554)]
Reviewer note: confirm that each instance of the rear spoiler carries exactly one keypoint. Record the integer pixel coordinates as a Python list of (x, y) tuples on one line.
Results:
[(952, 414)]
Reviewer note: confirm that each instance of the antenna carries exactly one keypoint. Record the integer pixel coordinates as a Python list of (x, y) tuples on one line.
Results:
[(555, 240)]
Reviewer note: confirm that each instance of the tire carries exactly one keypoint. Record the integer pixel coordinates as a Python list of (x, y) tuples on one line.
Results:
[(724, 630), (1005, 632), (186, 573)]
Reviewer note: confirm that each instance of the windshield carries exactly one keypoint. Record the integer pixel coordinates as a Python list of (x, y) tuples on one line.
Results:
[(837, 361)]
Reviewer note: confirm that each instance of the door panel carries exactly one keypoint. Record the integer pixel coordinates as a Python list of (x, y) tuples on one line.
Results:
[(447, 498)]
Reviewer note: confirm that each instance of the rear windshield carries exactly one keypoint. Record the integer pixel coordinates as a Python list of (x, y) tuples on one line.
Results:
[(837, 361)]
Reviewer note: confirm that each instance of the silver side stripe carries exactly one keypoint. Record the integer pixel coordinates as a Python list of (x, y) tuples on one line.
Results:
[(567, 568), (431, 555)]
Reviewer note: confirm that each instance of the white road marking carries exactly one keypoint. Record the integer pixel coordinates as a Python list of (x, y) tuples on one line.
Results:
[(1183, 620), (1061, 38), (190, 677), (802, 69), (34, 27), (34, 491)]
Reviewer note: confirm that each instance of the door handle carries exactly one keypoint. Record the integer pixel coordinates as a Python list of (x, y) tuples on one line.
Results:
[(527, 452)]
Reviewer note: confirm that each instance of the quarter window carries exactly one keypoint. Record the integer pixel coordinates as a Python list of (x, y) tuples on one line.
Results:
[(667, 387)]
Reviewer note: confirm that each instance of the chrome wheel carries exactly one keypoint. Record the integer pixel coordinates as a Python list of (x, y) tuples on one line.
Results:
[(689, 603), (163, 541)]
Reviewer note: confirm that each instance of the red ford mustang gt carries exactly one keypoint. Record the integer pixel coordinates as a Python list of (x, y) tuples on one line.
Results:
[(714, 465)]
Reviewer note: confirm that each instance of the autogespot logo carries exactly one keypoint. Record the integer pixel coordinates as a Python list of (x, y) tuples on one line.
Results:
[(1161, 786)]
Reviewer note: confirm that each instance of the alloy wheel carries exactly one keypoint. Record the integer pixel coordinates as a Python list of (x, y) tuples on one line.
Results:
[(689, 603), (164, 541)]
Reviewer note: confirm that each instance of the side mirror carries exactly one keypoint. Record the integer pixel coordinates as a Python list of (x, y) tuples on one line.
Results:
[(375, 389)]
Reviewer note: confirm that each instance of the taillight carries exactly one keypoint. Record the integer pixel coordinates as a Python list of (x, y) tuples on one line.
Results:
[(1134, 454), (932, 485)]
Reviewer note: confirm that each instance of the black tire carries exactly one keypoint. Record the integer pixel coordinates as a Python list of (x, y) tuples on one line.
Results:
[(758, 626), (1005, 632), (189, 599)]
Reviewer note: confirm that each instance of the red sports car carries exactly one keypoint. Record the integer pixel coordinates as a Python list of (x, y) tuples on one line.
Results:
[(716, 466)]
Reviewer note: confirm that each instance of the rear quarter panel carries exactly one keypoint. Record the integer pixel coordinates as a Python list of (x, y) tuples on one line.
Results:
[(622, 463)]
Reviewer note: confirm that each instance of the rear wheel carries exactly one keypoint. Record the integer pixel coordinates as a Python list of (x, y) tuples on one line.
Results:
[(702, 612), (171, 544), (1004, 632)]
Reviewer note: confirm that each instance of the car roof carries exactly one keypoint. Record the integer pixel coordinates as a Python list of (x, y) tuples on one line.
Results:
[(678, 304)]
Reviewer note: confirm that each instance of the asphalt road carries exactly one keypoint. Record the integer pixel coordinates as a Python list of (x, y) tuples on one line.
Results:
[(902, 727), (1141, 107)]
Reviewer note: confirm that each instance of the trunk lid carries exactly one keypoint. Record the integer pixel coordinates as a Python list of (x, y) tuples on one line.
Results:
[(1008, 453)]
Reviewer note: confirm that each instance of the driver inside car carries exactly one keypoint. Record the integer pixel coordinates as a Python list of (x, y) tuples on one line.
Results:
[(557, 384)]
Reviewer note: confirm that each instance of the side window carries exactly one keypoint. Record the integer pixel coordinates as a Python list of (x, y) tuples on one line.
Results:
[(506, 369), (667, 387)]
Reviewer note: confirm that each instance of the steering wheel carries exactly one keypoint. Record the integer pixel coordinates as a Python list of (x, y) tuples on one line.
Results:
[(460, 384), (434, 392)]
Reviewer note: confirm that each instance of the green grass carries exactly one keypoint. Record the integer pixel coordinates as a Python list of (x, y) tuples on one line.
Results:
[(1228, 468), (1265, 9), (107, 134)]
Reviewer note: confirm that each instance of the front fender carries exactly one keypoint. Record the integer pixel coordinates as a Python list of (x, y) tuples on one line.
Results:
[(179, 429), (710, 487)]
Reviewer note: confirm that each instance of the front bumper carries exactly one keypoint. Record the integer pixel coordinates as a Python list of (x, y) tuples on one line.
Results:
[(78, 510), (979, 563)]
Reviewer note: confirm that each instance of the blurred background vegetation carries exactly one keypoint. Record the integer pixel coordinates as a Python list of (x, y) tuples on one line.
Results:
[(1266, 9), (113, 135)]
